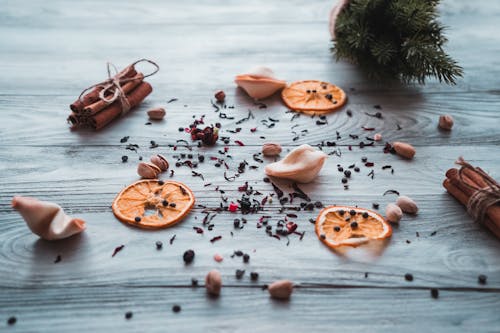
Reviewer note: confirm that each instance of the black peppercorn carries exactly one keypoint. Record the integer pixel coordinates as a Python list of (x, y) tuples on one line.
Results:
[(181, 129), (201, 158), (482, 279), (365, 215), (176, 308), (375, 205), (354, 225), (239, 273), (172, 204), (352, 212), (246, 258), (159, 245), (254, 276), (194, 282), (356, 169), (164, 203), (336, 228), (124, 158), (408, 277), (128, 315), (341, 212), (322, 236), (137, 219), (434, 293), (188, 256), (344, 180), (347, 173), (12, 320), (364, 159), (161, 182)]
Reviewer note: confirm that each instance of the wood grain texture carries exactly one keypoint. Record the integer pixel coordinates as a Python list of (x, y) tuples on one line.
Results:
[(52, 50), (247, 310)]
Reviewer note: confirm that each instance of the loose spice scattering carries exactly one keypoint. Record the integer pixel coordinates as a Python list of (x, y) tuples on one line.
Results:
[(117, 249)]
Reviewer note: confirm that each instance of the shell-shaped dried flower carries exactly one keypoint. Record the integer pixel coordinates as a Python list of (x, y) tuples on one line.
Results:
[(47, 219), (148, 170), (271, 149), (404, 149), (301, 165), (393, 213), (213, 282), (281, 289), (446, 122), (156, 114), (160, 161), (259, 82), (407, 204)]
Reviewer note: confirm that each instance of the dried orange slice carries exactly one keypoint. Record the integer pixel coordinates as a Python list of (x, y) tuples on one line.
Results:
[(153, 203), (350, 226), (313, 97)]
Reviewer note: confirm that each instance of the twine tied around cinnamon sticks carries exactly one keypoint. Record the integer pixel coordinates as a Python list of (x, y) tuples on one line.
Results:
[(113, 85), (100, 104), (483, 197)]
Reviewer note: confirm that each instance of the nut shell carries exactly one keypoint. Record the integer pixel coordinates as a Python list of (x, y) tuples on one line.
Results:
[(407, 205), (213, 282), (160, 161), (446, 122), (393, 213), (281, 289), (271, 149), (148, 170), (404, 149), (156, 114)]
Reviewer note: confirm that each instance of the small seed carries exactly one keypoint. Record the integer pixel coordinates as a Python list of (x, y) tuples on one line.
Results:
[(128, 315), (188, 256), (156, 114), (408, 277), (393, 213), (176, 308)]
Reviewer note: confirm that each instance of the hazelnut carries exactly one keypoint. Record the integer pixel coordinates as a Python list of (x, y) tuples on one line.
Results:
[(160, 161), (213, 282), (404, 149), (148, 170), (393, 213), (446, 122), (220, 96), (271, 149), (281, 289), (407, 205), (156, 114)]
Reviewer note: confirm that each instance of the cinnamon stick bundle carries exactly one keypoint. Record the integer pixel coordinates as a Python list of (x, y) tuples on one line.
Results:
[(477, 191), (112, 98)]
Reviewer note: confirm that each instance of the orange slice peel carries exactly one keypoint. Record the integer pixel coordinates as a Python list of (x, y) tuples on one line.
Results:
[(153, 203), (350, 226), (313, 97)]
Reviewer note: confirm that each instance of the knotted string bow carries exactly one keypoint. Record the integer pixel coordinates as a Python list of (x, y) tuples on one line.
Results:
[(482, 198), (113, 85)]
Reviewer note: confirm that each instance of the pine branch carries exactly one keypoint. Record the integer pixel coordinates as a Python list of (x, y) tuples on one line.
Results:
[(395, 39)]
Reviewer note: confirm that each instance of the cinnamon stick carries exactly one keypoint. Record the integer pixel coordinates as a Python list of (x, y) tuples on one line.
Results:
[(464, 199), (127, 88), (93, 96), (136, 96)]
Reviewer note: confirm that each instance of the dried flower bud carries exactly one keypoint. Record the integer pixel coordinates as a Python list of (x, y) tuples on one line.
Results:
[(393, 213), (156, 114), (281, 289), (271, 149), (407, 205), (404, 149), (148, 170), (213, 282), (160, 161), (446, 122), (220, 96)]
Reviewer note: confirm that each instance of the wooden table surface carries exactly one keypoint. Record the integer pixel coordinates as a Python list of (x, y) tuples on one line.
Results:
[(51, 50)]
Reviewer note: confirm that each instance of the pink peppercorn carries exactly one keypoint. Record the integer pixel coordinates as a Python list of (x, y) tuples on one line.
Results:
[(233, 207)]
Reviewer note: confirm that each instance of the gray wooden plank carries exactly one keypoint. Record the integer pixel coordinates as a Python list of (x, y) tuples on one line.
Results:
[(41, 120), (248, 310)]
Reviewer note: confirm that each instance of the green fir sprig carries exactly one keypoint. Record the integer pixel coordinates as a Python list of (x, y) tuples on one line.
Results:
[(395, 39)]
